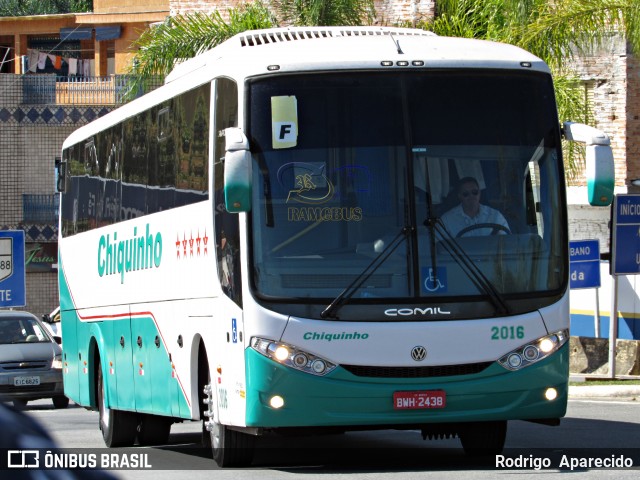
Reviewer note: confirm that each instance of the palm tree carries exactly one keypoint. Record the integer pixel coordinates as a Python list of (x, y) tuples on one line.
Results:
[(556, 31), (185, 36)]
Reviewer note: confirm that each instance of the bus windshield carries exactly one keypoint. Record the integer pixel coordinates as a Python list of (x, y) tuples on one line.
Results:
[(422, 186)]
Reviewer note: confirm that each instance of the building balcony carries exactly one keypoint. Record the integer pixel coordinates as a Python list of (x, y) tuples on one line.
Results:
[(44, 89)]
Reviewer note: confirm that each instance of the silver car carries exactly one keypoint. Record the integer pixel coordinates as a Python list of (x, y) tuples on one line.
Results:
[(30, 361)]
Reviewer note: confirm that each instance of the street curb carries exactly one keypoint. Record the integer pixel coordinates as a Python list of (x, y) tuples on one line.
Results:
[(604, 391)]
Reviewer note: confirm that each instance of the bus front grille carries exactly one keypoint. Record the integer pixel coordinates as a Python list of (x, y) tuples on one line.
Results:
[(416, 372)]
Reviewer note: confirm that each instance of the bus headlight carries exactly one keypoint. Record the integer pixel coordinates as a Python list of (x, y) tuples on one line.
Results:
[(535, 351), (292, 356)]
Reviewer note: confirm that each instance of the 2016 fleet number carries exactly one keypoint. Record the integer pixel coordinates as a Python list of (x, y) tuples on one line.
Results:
[(507, 333)]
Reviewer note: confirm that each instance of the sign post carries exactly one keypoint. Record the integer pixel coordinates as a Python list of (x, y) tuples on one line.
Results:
[(625, 256), (584, 267), (12, 269)]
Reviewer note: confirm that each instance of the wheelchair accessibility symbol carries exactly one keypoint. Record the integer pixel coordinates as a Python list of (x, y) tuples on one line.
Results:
[(434, 281)]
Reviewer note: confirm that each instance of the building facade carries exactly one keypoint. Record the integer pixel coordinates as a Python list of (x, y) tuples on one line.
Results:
[(59, 72)]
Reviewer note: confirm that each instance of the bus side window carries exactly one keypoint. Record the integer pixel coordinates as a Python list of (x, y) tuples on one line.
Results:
[(227, 230), (532, 198)]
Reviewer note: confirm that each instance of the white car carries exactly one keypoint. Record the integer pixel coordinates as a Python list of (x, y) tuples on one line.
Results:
[(51, 322)]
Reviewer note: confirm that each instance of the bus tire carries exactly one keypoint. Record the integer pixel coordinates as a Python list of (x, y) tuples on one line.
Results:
[(60, 401), (119, 428), (484, 438), (153, 430), (230, 447)]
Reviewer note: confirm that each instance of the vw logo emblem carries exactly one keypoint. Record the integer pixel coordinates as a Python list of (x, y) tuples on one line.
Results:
[(418, 353)]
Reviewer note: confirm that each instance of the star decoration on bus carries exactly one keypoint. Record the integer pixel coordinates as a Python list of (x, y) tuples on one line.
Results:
[(190, 246)]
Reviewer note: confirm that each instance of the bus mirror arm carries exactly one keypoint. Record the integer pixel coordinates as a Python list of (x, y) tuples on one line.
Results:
[(237, 171), (599, 163)]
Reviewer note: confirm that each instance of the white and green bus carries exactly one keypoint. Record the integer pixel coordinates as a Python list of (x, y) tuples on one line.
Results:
[(259, 244)]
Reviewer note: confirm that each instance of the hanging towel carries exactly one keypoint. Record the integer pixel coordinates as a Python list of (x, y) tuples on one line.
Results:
[(42, 60), (33, 60), (86, 68), (73, 66)]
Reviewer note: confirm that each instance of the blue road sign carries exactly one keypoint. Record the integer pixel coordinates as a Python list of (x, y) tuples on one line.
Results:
[(584, 264), (625, 245), (12, 270)]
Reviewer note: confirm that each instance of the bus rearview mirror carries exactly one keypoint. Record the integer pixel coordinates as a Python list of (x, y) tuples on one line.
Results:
[(237, 171)]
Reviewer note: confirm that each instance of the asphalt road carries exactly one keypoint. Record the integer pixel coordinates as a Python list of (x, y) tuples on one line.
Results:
[(603, 428)]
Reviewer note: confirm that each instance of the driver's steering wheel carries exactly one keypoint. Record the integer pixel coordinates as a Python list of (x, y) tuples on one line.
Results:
[(495, 228)]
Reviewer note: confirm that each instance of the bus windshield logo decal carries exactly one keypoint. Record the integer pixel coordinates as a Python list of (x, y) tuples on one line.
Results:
[(129, 255), (311, 186)]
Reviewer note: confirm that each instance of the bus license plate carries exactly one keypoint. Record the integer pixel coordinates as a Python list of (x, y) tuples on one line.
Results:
[(26, 381), (419, 400)]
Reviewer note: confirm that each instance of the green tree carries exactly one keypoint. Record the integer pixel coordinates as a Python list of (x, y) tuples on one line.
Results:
[(20, 8), (325, 12), (556, 31)]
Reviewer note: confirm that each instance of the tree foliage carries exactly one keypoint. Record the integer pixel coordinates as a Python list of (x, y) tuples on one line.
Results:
[(556, 31), (21, 8), (325, 12)]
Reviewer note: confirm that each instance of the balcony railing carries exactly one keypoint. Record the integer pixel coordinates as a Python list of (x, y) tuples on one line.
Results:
[(41, 209), (55, 90)]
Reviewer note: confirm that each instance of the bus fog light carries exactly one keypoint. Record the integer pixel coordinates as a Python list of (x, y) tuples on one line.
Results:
[(551, 394), (276, 402)]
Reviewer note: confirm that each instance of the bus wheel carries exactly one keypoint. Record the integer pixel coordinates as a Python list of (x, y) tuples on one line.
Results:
[(231, 448), (153, 430), (484, 438), (118, 428)]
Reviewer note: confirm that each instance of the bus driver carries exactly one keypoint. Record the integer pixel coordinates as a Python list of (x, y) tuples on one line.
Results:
[(470, 217)]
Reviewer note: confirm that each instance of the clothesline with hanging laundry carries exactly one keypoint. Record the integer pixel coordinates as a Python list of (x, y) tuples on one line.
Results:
[(76, 66)]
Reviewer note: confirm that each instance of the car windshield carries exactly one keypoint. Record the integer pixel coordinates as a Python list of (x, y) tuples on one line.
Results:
[(21, 330), (347, 164)]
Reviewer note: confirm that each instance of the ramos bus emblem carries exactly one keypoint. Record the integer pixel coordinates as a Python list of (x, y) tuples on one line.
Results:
[(418, 353)]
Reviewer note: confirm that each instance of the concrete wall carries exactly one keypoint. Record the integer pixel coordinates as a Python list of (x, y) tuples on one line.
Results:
[(591, 356)]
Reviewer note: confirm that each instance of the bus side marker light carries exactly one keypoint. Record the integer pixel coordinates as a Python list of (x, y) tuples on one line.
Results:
[(551, 394)]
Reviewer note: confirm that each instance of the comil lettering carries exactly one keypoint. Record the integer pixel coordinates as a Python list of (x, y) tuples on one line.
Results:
[(129, 255)]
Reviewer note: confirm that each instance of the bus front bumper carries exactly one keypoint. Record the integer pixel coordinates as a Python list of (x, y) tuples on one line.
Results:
[(342, 399)]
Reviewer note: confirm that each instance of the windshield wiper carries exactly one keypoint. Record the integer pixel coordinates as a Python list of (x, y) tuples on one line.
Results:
[(347, 293), (471, 269)]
